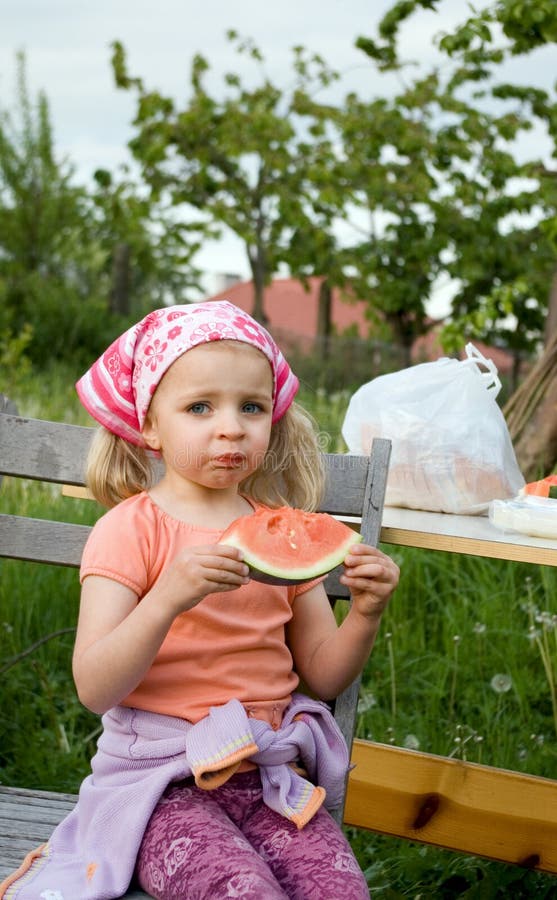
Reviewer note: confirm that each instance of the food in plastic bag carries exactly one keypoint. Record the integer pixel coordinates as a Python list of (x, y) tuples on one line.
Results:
[(451, 449)]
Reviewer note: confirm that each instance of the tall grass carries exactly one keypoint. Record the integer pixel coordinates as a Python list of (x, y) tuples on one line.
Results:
[(465, 666), (456, 670)]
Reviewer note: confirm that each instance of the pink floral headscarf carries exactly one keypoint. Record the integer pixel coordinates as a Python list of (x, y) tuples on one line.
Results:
[(118, 388)]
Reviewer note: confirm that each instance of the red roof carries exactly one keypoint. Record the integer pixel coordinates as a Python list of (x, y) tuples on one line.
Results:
[(290, 307), (428, 347)]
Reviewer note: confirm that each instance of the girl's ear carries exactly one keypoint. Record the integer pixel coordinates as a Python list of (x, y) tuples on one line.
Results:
[(150, 434)]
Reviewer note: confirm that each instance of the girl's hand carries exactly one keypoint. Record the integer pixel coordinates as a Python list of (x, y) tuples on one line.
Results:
[(198, 571), (118, 637), (371, 576)]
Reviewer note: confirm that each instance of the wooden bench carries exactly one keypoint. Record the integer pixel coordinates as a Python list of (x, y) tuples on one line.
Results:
[(55, 452)]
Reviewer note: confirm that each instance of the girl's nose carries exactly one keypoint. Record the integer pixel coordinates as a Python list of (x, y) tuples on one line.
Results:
[(229, 424)]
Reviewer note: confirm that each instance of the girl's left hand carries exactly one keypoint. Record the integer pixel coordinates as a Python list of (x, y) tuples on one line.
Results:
[(371, 576)]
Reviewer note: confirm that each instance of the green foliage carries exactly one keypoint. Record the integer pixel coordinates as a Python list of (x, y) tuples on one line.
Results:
[(529, 23), (493, 241), (77, 265), (44, 731), (147, 253), (457, 670), (252, 176), (41, 263), (15, 366), (396, 869), (434, 171)]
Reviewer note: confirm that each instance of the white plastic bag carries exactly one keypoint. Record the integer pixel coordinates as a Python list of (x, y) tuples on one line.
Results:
[(451, 449)]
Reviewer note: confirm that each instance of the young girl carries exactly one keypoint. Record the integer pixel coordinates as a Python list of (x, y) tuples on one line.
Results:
[(211, 770)]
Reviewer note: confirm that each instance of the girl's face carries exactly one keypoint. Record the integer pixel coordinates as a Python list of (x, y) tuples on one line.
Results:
[(211, 414)]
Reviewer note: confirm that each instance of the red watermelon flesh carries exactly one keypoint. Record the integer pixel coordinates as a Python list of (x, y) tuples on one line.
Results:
[(546, 487), (290, 546)]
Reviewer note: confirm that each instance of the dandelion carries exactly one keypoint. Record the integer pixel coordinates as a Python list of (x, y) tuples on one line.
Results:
[(411, 742), (464, 735), (546, 619), (480, 628), (501, 683), (533, 633), (390, 735), (366, 702)]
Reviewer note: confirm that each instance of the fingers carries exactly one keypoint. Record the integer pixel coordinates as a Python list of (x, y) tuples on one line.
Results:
[(222, 566), (365, 564)]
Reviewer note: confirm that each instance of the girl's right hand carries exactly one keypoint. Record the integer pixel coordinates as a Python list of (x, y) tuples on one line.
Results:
[(118, 637), (198, 571)]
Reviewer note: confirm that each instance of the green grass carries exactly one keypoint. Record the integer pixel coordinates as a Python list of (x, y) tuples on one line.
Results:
[(465, 666), (456, 670)]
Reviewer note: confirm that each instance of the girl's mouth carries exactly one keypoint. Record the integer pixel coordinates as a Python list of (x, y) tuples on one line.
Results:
[(230, 461)]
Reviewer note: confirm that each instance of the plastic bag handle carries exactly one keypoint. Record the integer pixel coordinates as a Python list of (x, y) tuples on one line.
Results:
[(476, 359)]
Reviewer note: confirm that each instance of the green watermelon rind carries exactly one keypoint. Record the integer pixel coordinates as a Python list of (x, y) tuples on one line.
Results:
[(260, 570)]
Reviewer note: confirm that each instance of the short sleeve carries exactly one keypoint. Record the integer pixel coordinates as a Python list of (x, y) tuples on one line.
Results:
[(116, 548), (307, 586)]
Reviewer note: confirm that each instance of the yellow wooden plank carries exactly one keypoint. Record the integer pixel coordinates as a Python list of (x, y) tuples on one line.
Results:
[(470, 546), (461, 806), (79, 493), (470, 535)]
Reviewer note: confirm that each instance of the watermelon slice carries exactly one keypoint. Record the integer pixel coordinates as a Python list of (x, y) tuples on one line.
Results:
[(546, 487), (290, 546)]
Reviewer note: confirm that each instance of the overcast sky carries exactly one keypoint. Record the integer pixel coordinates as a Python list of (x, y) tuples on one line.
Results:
[(67, 47)]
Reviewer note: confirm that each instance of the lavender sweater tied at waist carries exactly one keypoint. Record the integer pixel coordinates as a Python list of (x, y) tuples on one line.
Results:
[(91, 853)]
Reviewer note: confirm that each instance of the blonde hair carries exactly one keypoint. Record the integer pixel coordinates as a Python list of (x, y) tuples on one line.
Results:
[(291, 473), (116, 469)]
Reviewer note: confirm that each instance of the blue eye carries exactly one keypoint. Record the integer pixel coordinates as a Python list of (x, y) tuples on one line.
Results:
[(198, 408), (251, 408)]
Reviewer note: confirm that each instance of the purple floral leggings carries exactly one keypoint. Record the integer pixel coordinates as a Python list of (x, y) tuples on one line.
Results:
[(227, 843)]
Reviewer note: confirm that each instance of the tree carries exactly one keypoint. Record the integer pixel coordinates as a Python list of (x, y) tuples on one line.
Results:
[(504, 238), (245, 160), (394, 259), (75, 263), (497, 253), (148, 251), (41, 215)]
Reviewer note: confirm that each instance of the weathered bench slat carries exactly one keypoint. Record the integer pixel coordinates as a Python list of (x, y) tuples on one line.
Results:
[(55, 452), (41, 540), (45, 451), (27, 819), (62, 543)]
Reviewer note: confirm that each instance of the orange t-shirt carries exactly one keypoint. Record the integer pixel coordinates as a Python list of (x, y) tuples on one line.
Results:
[(231, 645)]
